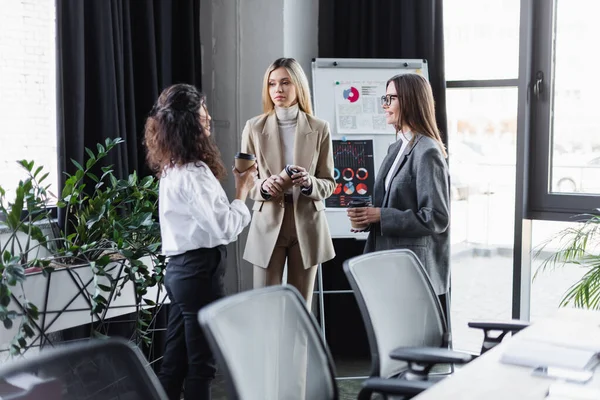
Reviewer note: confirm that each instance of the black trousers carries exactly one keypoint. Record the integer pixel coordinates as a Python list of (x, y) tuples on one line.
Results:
[(192, 280), (445, 303)]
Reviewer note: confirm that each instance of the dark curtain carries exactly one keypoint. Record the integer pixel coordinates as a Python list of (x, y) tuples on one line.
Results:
[(114, 57), (388, 29)]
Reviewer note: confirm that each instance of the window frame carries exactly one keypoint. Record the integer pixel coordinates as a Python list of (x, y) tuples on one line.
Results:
[(522, 245), (543, 204), (533, 199)]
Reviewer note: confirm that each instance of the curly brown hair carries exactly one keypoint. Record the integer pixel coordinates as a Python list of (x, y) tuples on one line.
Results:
[(174, 135)]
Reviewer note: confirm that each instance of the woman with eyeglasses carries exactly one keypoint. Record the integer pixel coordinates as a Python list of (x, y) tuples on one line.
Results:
[(197, 221), (288, 220), (411, 202)]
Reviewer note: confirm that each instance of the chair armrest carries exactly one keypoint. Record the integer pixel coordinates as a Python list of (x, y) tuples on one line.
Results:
[(514, 325), (407, 389), (504, 327), (430, 355), (422, 359)]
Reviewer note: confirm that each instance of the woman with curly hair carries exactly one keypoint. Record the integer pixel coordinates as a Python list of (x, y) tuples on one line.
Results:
[(197, 221)]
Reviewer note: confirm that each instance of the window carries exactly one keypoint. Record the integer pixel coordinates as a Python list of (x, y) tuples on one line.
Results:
[(482, 60), (27, 89), (536, 76), (549, 285), (482, 129), (566, 129), (481, 39)]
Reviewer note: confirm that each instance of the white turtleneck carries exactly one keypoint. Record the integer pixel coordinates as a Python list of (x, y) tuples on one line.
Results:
[(287, 120)]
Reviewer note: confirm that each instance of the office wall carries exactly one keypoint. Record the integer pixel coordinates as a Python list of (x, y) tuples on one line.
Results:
[(300, 32), (240, 38)]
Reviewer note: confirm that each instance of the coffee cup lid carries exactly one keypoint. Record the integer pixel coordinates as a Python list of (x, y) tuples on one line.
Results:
[(358, 203), (245, 156), (289, 170)]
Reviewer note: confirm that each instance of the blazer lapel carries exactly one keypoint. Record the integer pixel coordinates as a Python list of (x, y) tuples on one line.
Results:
[(305, 146), (404, 158), (305, 142), (270, 144), (379, 192)]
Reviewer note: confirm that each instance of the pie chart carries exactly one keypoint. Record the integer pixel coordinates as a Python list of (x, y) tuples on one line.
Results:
[(361, 189), (348, 174), (351, 94), (336, 174), (349, 188), (338, 189), (362, 173)]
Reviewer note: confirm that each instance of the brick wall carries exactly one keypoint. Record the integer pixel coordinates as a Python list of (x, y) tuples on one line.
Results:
[(27, 88)]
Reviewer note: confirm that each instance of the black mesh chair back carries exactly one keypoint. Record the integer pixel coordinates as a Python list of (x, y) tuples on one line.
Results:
[(96, 370)]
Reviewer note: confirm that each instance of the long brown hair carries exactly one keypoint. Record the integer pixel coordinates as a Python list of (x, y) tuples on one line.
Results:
[(174, 135), (416, 106), (299, 80)]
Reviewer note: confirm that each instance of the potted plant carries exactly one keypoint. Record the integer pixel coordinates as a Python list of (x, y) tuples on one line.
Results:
[(107, 246), (580, 246)]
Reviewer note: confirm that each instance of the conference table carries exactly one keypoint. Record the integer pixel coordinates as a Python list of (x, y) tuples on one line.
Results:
[(488, 378)]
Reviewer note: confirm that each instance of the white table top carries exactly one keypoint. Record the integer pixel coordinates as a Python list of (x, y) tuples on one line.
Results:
[(489, 379)]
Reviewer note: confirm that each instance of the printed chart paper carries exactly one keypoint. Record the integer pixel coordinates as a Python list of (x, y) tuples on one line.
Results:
[(354, 172), (358, 108)]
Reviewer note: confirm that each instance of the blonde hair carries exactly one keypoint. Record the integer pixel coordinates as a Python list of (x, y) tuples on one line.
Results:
[(298, 79)]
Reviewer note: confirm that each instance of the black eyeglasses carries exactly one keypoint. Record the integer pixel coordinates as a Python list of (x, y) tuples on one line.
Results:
[(387, 99)]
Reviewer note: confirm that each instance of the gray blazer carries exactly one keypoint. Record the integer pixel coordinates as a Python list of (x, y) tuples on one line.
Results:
[(415, 211)]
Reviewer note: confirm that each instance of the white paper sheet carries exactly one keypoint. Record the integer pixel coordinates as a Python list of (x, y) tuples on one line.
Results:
[(535, 353), (358, 108)]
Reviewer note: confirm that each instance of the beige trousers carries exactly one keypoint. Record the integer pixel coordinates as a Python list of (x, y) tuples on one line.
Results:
[(287, 247), (291, 381)]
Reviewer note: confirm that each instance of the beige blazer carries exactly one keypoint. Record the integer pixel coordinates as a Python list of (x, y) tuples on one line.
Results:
[(312, 150)]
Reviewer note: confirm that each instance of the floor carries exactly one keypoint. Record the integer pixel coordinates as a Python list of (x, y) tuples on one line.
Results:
[(348, 388)]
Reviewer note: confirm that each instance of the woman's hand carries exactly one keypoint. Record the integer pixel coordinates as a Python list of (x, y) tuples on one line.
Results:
[(301, 177), (364, 215), (273, 185), (244, 181)]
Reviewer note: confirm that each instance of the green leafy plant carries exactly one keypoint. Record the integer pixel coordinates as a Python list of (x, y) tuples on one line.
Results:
[(17, 254), (580, 246), (110, 225)]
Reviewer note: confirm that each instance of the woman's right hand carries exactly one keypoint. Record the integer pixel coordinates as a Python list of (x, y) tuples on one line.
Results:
[(244, 181), (273, 185)]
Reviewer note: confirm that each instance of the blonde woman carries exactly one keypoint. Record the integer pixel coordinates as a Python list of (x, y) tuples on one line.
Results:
[(289, 223)]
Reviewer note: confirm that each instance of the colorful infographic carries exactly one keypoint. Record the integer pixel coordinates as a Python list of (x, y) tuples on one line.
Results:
[(353, 173), (358, 108)]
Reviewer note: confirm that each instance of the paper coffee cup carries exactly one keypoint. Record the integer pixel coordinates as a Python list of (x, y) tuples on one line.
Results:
[(286, 175), (358, 204), (244, 161)]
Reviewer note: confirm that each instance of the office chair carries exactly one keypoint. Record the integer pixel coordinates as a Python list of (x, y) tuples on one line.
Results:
[(95, 370), (268, 347), (403, 318)]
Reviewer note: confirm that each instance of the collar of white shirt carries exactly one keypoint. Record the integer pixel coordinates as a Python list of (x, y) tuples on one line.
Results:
[(405, 137)]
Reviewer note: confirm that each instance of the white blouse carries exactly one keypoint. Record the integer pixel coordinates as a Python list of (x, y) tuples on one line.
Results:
[(405, 137), (194, 210)]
